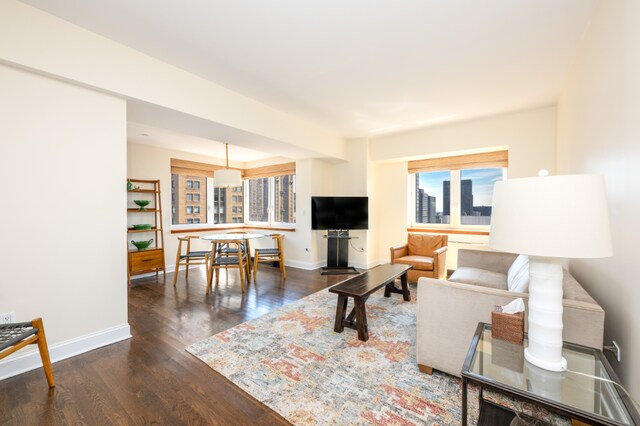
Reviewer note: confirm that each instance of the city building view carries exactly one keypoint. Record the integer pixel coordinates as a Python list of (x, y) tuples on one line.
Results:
[(189, 203), (188, 199), (285, 199), (433, 196), (284, 203)]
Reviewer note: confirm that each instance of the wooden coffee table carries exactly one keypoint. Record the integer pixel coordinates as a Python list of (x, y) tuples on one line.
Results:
[(360, 288)]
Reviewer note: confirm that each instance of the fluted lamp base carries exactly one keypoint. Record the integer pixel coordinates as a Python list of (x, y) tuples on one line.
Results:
[(545, 314)]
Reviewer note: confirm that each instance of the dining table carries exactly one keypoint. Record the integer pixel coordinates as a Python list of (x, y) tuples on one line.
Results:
[(218, 239)]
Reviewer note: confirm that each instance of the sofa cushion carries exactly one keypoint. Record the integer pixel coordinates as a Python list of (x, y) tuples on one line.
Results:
[(518, 275), (480, 277), (425, 245), (421, 263)]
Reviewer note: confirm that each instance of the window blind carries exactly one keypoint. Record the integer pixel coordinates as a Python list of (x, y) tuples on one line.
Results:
[(194, 168), (268, 171), (206, 170), (458, 162)]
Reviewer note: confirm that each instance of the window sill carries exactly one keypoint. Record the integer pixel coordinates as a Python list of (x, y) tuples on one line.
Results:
[(228, 228), (450, 231)]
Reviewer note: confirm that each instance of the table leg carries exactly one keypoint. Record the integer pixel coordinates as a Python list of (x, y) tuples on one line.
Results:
[(406, 295), (340, 313), (361, 319), (464, 401)]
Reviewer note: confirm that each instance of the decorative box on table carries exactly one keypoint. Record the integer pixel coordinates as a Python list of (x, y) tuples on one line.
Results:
[(509, 327)]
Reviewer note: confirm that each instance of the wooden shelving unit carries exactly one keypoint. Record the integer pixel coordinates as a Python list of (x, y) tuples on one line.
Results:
[(152, 258)]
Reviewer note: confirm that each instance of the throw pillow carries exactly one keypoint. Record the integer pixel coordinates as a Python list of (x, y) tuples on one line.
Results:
[(518, 275)]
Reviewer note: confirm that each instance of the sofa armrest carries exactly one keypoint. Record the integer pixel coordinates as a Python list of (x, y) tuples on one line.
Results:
[(440, 262), (484, 259), (399, 251), (449, 312)]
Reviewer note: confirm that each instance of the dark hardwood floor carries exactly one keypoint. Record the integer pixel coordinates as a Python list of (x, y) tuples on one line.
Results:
[(151, 379)]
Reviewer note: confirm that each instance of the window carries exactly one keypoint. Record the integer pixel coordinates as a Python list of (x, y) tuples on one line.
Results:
[(476, 194), (457, 190), (284, 200), (432, 200), (258, 200), (195, 204), (269, 194)]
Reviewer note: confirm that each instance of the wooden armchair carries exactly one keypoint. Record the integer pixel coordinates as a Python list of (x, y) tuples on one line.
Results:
[(427, 254)]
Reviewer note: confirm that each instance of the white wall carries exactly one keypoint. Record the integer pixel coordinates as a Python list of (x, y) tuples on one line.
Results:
[(62, 222), (352, 178), (529, 135), (599, 132)]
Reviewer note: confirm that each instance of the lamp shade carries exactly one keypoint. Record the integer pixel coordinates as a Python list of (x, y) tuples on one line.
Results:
[(227, 177), (551, 216)]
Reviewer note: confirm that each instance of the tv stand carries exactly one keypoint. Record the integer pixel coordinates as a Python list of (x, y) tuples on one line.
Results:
[(338, 253)]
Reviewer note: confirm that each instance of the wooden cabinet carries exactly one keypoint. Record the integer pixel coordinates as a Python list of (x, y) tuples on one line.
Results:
[(151, 259)]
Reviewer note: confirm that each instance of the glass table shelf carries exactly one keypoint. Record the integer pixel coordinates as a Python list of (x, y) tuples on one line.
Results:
[(583, 392)]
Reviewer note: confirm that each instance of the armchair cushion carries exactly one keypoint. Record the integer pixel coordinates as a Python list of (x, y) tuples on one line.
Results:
[(421, 263), (425, 245)]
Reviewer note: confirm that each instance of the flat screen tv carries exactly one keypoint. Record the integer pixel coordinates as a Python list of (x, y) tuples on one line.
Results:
[(339, 213)]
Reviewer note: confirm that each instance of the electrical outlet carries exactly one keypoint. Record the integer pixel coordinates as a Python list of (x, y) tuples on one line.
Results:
[(7, 317)]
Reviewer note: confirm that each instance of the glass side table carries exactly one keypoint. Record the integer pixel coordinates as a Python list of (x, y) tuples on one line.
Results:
[(500, 365)]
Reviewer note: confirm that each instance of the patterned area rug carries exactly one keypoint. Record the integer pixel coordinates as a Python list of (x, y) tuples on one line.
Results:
[(292, 361)]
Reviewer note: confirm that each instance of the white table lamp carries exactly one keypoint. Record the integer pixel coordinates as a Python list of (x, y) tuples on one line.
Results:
[(549, 218)]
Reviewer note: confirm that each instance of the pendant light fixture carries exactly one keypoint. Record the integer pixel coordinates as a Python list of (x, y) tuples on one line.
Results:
[(227, 177)]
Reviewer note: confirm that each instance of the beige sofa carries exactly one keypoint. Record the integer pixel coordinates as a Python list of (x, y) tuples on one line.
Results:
[(449, 311)]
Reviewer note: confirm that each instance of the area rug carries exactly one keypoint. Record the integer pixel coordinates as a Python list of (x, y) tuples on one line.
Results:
[(292, 361)]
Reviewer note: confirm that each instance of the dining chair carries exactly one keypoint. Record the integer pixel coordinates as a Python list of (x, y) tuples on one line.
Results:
[(235, 257), (226, 250), (273, 254), (15, 336), (189, 257)]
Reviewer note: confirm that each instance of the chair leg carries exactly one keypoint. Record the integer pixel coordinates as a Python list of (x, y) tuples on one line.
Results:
[(186, 272), (44, 351), (175, 273), (241, 270), (255, 268), (282, 268)]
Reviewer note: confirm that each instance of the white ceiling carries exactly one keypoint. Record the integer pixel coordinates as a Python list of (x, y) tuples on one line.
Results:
[(358, 67)]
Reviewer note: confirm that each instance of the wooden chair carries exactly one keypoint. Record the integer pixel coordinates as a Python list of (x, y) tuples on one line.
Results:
[(234, 257), (189, 257), (15, 336), (274, 254)]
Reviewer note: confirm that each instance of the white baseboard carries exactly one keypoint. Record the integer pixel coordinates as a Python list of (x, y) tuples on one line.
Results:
[(309, 266), (27, 361)]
